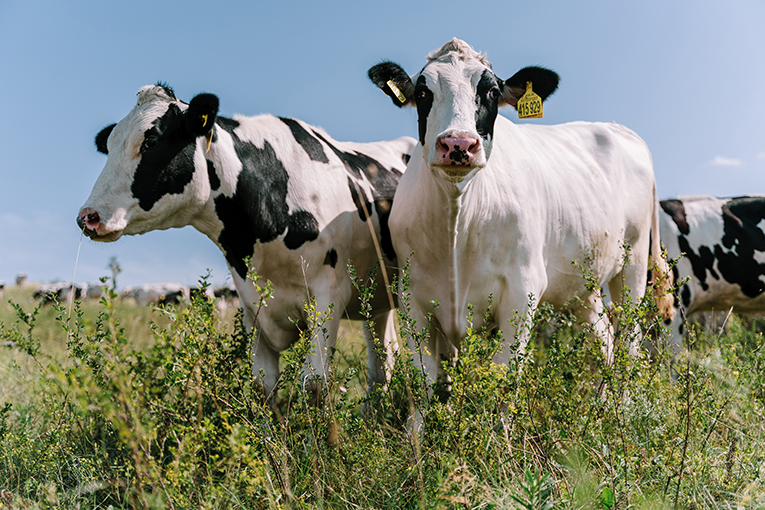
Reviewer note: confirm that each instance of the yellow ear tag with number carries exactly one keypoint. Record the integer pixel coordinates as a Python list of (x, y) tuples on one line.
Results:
[(396, 91), (529, 105)]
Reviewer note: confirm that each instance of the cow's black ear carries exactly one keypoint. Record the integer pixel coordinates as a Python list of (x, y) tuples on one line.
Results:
[(544, 83), (102, 137), (394, 81), (201, 114)]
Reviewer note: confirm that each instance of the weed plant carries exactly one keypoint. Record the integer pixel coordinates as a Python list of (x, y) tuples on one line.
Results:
[(92, 416)]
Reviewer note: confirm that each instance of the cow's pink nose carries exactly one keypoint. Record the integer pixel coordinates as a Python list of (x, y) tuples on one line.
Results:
[(88, 220), (457, 150)]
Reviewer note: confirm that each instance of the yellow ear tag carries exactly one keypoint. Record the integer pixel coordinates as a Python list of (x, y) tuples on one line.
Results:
[(396, 91), (529, 105), (204, 118), (209, 139)]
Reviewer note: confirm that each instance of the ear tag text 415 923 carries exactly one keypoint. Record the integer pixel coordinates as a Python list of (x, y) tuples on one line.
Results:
[(530, 104)]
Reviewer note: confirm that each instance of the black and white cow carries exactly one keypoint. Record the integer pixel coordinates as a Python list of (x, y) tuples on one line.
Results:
[(508, 207), (273, 189), (723, 240), (158, 293), (60, 291)]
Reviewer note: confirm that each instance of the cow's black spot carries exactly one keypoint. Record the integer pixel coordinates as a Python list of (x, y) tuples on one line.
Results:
[(302, 227), (362, 204), (676, 211), (742, 238), (310, 145), (405, 158), (213, 176), (686, 295), (102, 137), (424, 99), (227, 124), (258, 211), (602, 141), (458, 156), (486, 102), (331, 258), (700, 262), (167, 159), (383, 207)]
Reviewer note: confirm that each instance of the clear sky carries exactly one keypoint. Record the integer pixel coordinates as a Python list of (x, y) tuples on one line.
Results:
[(687, 76)]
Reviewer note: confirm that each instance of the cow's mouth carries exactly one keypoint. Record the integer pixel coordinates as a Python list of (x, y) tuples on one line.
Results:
[(457, 172), (90, 222)]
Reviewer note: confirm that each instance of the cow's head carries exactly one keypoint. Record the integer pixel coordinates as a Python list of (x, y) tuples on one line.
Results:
[(457, 96), (156, 173)]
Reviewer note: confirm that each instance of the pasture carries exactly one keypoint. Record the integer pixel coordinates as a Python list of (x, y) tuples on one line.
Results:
[(121, 406)]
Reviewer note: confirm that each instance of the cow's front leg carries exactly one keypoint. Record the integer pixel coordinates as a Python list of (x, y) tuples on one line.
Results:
[(265, 365), (323, 324), (514, 318)]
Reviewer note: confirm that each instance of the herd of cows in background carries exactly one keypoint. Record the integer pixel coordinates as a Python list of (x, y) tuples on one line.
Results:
[(485, 209)]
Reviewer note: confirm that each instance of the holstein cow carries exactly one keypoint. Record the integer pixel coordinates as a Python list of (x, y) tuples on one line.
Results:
[(273, 189), (723, 240), (159, 293), (491, 208)]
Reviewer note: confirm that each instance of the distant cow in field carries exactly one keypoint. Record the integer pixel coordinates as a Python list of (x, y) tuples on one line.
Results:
[(490, 208), (60, 291), (226, 297), (299, 204), (158, 293), (723, 240)]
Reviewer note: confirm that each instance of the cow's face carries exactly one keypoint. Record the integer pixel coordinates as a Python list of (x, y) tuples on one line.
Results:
[(156, 173), (457, 96)]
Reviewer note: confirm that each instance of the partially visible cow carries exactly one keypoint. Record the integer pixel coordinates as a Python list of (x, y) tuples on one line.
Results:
[(299, 204), (158, 293), (60, 291), (226, 297), (2, 288), (493, 209), (723, 240)]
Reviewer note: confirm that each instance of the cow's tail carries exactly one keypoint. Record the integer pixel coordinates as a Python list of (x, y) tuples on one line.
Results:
[(661, 276)]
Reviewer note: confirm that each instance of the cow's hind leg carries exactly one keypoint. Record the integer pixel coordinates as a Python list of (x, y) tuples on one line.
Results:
[(626, 288), (382, 344)]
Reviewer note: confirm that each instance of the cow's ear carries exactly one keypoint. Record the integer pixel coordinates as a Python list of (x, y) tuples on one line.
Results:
[(394, 81), (102, 137), (200, 116), (543, 82)]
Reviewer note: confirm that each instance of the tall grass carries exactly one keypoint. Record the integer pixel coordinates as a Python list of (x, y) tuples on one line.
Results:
[(125, 407)]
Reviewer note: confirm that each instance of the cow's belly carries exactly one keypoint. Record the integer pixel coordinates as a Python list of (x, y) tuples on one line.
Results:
[(720, 295)]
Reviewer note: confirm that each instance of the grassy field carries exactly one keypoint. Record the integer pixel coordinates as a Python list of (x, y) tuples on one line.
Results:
[(111, 405)]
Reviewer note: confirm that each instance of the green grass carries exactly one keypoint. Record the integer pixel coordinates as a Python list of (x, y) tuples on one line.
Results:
[(129, 407)]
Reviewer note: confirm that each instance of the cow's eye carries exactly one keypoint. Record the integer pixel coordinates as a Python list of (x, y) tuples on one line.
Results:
[(420, 94), (494, 93), (149, 143)]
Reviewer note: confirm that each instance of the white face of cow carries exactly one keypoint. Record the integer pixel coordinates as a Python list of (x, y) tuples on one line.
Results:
[(457, 96), (156, 173)]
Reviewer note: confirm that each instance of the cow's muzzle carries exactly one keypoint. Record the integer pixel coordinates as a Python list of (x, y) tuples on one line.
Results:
[(457, 150)]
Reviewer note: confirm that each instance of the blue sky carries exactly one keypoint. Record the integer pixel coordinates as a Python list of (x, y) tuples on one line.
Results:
[(688, 76)]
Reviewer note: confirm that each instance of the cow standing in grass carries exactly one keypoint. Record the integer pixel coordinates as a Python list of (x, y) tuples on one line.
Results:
[(491, 208), (296, 202), (722, 243)]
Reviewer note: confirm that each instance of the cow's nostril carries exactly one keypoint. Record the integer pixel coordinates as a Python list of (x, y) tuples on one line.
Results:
[(93, 217)]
